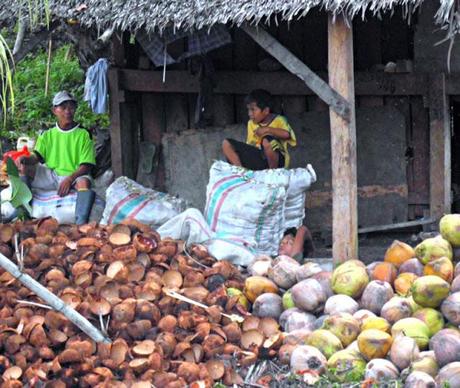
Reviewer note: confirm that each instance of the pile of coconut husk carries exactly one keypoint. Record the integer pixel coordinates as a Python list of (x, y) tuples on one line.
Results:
[(167, 310)]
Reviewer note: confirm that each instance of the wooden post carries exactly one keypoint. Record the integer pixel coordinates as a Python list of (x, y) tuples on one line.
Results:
[(343, 144), (440, 147), (115, 123)]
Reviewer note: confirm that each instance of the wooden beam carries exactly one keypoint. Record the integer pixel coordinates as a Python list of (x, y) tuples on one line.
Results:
[(399, 225), (440, 147), (343, 144), (328, 94), (115, 123), (280, 83)]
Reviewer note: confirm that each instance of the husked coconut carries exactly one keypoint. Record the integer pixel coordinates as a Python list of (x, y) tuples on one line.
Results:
[(455, 285), (307, 270), (268, 305), (308, 295), (307, 357), (449, 376), (362, 315), (404, 351), (412, 266), (340, 304), (283, 273), (380, 370), (260, 266), (299, 320), (419, 380), (396, 309), (446, 346), (324, 278), (451, 308), (375, 295)]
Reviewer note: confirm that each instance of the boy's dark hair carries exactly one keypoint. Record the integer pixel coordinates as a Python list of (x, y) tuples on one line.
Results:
[(291, 231), (261, 97)]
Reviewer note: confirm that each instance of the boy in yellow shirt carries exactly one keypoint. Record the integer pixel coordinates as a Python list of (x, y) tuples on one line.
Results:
[(268, 137)]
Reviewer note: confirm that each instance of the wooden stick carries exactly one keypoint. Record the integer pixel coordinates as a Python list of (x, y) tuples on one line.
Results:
[(176, 295), (48, 65), (52, 300)]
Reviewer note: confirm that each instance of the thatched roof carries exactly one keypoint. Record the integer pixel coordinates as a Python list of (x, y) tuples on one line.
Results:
[(132, 15)]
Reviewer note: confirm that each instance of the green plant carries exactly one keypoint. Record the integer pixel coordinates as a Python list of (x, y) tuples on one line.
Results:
[(20, 192), (32, 108)]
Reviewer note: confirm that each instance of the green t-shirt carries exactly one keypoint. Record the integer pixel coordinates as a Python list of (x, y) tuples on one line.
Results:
[(65, 151)]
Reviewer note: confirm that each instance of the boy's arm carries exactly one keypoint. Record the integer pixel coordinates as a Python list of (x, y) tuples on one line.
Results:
[(299, 240), (279, 133)]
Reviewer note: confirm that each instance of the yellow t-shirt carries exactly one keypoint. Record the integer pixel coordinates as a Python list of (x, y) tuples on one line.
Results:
[(277, 144)]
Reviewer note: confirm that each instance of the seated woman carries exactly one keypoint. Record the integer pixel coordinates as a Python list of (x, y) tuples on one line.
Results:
[(297, 243)]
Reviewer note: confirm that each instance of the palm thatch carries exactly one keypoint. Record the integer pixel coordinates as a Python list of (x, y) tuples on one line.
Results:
[(156, 15)]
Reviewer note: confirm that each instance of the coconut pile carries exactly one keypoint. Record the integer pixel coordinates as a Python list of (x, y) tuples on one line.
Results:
[(176, 317), (394, 319), (131, 285)]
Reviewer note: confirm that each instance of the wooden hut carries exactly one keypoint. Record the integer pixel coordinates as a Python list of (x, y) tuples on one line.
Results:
[(362, 82)]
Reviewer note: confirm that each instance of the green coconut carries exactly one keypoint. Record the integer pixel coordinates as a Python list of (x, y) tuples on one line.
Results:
[(432, 318), (325, 341), (430, 291), (350, 278), (414, 328), (346, 366), (287, 300), (432, 249), (449, 226), (343, 326), (426, 362)]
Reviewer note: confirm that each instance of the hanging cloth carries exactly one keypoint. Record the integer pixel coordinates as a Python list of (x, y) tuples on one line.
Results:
[(96, 86)]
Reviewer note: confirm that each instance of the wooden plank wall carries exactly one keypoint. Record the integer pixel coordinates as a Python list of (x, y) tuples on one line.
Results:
[(375, 43)]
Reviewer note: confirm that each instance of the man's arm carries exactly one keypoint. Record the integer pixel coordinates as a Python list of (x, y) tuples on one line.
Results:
[(66, 184)]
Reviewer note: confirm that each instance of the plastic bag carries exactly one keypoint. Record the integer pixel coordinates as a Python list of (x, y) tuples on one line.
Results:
[(128, 199)]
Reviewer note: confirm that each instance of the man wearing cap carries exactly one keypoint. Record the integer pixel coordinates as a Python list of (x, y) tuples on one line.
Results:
[(66, 155)]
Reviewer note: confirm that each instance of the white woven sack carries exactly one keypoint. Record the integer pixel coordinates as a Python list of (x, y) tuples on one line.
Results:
[(239, 206), (50, 204), (128, 199)]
